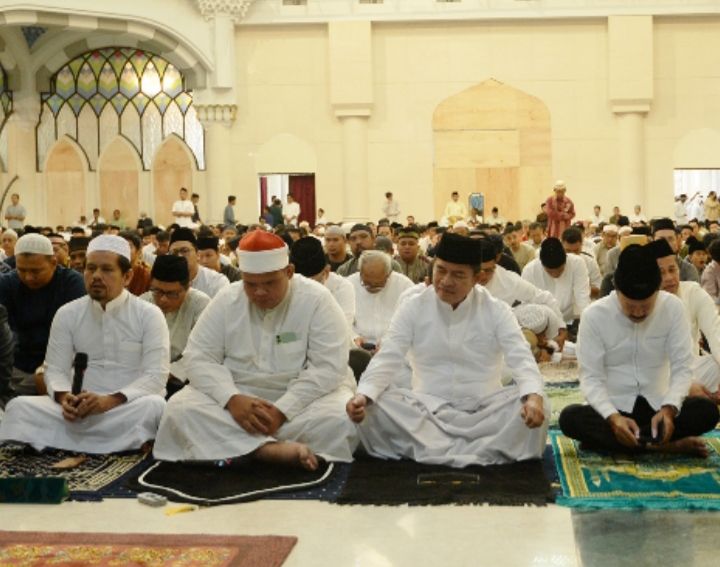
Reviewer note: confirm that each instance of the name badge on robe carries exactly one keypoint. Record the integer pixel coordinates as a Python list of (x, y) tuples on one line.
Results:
[(288, 337)]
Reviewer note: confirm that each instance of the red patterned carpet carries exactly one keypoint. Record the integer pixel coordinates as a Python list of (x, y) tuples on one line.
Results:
[(32, 549)]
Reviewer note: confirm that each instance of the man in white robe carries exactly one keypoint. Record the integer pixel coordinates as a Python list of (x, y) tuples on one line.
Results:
[(564, 276), (184, 243), (267, 364), (127, 345), (183, 210), (635, 358), (455, 336), (377, 291)]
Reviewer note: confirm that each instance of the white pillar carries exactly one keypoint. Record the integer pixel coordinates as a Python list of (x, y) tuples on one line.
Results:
[(631, 160), (216, 121), (355, 169)]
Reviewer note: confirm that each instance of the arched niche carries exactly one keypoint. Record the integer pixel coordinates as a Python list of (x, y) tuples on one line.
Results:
[(172, 168), (119, 178), (495, 140), (65, 183), (286, 153)]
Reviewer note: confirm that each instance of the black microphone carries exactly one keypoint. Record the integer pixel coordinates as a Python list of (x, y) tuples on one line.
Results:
[(80, 364)]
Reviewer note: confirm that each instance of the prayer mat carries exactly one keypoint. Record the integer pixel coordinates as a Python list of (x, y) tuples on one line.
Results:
[(561, 395), (649, 480), (209, 483), (394, 483), (97, 477), (563, 371), (158, 550)]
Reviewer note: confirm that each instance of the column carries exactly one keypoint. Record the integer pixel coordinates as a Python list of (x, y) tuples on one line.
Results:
[(216, 120), (631, 159), (355, 168)]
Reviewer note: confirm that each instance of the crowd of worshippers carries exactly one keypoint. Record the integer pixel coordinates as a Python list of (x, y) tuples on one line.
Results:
[(404, 341)]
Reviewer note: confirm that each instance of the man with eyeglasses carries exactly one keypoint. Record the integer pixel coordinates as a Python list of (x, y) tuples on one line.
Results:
[(456, 412), (184, 243), (268, 370), (377, 291), (182, 306)]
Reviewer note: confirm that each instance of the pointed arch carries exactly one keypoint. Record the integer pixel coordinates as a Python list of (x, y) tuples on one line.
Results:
[(65, 175), (173, 166), (496, 140), (119, 169)]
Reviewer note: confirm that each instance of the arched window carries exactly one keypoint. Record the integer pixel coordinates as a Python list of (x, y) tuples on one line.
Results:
[(6, 105), (118, 90)]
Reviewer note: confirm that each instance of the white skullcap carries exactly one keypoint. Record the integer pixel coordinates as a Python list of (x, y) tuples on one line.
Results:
[(559, 184), (532, 317), (460, 224), (34, 244), (11, 232), (334, 230), (624, 231), (109, 243), (610, 228)]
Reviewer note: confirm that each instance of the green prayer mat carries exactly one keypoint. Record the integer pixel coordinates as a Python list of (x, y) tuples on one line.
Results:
[(648, 480), (561, 396)]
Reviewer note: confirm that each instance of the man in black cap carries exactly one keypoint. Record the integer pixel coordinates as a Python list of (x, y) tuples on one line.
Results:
[(361, 239), (307, 255), (78, 251), (564, 276), (665, 228), (184, 243), (457, 412), (209, 256), (182, 306), (635, 358)]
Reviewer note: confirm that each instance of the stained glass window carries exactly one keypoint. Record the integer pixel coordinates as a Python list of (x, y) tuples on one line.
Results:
[(6, 102), (118, 90)]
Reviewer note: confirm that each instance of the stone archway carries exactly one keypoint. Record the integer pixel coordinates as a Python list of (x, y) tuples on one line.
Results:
[(119, 177), (172, 168), (65, 183), (495, 140)]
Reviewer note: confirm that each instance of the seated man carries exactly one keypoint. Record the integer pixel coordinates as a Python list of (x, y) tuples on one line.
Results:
[(32, 294), (635, 363), (209, 256), (377, 291), (455, 336), (268, 370), (127, 347), (182, 306), (184, 243)]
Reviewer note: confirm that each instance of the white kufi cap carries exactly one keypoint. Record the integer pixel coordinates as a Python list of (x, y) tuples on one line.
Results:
[(110, 243)]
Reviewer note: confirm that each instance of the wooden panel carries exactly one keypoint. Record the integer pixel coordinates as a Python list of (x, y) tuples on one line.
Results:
[(119, 182), (535, 186), (172, 169), (448, 180), (477, 148), (500, 187), (65, 185), (534, 146)]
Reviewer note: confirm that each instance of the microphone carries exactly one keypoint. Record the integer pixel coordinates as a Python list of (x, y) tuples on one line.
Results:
[(80, 365)]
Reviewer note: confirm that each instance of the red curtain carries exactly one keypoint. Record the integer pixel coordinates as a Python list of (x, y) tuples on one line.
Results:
[(263, 193), (303, 189)]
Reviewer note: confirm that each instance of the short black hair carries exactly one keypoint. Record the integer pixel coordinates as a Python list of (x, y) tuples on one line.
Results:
[(132, 237), (572, 235)]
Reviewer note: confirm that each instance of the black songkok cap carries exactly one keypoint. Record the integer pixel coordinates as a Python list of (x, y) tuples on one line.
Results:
[(169, 268), (637, 275), (663, 224), (660, 248), (360, 226), (694, 245), (208, 243), (552, 253), (642, 230), (183, 234), (78, 243), (460, 249), (307, 255)]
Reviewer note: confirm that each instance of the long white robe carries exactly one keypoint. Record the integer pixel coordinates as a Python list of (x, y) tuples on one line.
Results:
[(209, 281), (128, 352), (294, 356), (571, 289), (373, 311), (457, 412)]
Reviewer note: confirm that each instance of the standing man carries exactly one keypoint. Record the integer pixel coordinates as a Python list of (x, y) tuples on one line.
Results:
[(229, 213), (195, 199), (635, 362), (127, 347), (456, 412), (391, 208), (15, 213), (268, 370), (183, 209), (560, 210), (291, 212)]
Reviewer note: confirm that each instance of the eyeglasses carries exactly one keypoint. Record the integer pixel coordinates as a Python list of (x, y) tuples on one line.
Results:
[(181, 251), (160, 293)]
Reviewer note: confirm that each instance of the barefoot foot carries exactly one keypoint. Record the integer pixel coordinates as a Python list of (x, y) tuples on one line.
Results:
[(288, 453), (686, 446)]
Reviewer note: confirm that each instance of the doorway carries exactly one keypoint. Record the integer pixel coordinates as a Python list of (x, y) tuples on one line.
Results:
[(301, 185)]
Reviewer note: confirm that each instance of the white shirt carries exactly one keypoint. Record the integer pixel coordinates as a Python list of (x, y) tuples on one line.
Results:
[(182, 321), (373, 311), (680, 213), (391, 210), (454, 354), (344, 293), (291, 212), (593, 270), (701, 315), (455, 209), (209, 282), (596, 219), (128, 347), (148, 253), (290, 355), (185, 206), (511, 289), (621, 360), (571, 289), (637, 218)]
